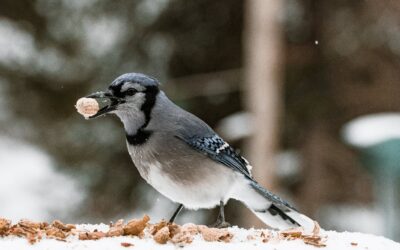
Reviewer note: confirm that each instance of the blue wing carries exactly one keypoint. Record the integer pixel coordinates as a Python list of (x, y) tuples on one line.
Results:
[(218, 150)]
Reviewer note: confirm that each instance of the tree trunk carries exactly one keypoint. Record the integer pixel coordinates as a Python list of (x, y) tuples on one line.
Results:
[(263, 63)]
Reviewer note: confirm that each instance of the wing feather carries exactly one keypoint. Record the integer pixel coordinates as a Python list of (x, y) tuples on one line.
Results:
[(218, 150)]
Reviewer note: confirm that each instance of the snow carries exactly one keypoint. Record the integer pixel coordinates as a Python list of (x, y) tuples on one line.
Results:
[(353, 217), (372, 129), (335, 240), (236, 126), (35, 184), (161, 207)]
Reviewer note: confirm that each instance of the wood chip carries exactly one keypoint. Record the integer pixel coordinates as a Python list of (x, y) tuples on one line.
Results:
[(174, 229), (162, 235), (314, 238), (292, 233), (156, 227), (215, 234), (30, 224), (126, 244), (56, 233), (4, 226), (64, 227), (117, 229), (190, 228), (17, 231), (316, 229), (119, 223), (31, 238), (183, 237), (136, 227), (162, 232), (96, 235)]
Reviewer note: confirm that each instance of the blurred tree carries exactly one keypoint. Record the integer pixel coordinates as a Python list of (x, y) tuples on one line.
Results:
[(351, 71), (263, 59), (341, 60), (55, 52)]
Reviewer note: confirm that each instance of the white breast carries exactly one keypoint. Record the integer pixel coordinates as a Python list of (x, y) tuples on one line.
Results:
[(206, 194)]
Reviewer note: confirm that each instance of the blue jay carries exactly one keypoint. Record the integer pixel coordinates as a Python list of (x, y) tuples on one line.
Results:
[(184, 159)]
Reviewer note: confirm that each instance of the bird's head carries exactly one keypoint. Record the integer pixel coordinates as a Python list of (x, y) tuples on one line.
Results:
[(130, 93)]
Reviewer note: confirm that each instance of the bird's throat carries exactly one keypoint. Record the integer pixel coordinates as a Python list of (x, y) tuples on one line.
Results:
[(138, 135), (139, 138)]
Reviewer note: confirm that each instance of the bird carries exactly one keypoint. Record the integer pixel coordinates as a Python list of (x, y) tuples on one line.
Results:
[(184, 159)]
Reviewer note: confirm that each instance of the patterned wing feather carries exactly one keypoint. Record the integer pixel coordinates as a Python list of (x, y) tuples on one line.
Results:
[(218, 150)]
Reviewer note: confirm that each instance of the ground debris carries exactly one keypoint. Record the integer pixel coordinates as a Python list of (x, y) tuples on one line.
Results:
[(265, 236), (162, 235), (154, 228), (165, 231), (116, 229), (56, 233), (190, 228), (64, 227), (182, 238), (215, 234), (314, 238), (126, 244), (96, 235), (162, 232), (185, 234), (4, 226), (136, 227), (34, 231)]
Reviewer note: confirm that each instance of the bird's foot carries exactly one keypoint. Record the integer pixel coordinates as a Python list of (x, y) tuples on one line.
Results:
[(220, 224)]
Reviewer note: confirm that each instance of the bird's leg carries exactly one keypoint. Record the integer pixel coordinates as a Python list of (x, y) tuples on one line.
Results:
[(221, 223), (177, 211)]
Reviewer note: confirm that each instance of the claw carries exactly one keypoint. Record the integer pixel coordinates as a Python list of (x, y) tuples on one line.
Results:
[(221, 223)]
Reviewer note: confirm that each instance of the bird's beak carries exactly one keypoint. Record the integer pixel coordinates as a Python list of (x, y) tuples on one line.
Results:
[(107, 102)]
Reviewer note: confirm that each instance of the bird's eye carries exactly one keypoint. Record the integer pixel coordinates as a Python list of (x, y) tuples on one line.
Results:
[(131, 91)]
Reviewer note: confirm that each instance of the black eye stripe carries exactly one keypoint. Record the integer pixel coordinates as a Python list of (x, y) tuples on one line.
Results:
[(131, 91), (116, 89)]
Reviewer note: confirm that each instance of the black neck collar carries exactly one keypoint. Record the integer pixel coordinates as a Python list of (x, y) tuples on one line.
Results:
[(142, 134)]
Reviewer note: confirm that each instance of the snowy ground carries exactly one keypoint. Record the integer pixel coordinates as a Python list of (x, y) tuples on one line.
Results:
[(35, 183), (241, 240)]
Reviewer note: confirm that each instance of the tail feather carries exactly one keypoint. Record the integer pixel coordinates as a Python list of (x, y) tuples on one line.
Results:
[(271, 209), (275, 211)]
